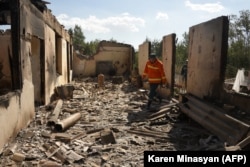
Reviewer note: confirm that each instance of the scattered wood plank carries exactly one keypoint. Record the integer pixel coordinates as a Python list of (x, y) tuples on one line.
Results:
[(56, 152), (61, 136), (159, 113), (146, 133), (245, 142), (78, 136)]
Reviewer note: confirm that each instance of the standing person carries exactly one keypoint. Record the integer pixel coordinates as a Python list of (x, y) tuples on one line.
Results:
[(184, 76), (154, 73)]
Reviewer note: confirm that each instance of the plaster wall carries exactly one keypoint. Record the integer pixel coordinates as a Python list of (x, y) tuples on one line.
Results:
[(36, 67), (206, 59), (50, 63), (120, 58), (143, 56), (17, 107), (16, 112), (168, 60)]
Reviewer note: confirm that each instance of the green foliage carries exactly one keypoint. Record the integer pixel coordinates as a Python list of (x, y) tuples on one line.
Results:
[(87, 48), (90, 48), (113, 40), (78, 38), (182, 52), (238, 43), (156, 47)]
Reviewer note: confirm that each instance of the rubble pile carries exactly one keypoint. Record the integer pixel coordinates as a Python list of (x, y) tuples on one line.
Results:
[(104, 126)]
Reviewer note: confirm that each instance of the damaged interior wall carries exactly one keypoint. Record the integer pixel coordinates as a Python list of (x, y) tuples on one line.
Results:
[(168, 59), (50, 50), (35, 58), (207, 58), (111, 59), (144, 50)]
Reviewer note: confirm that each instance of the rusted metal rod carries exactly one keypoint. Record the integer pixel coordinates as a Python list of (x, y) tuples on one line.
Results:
[(68, 122)]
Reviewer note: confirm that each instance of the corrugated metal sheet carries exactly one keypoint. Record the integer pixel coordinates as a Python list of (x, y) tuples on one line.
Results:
[(215, 120)]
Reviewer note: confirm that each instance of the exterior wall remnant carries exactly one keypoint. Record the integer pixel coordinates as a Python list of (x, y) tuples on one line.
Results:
[(168, 59), (34, 59), (111, 59), (207, 58), (144, 50)]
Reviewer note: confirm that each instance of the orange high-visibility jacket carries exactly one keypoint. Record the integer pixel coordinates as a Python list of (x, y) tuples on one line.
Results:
[(155, 72)]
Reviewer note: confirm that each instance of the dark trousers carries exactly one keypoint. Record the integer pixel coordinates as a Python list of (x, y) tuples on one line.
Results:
[(152, 90), (153, 93)]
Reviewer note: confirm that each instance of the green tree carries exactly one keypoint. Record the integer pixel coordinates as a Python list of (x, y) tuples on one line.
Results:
[(181, 51), (156, 47), (238, 43), (90, 48), (78, 38), (113, 40)]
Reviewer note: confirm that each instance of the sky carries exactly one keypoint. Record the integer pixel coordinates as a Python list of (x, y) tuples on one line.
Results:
[(133, 21)]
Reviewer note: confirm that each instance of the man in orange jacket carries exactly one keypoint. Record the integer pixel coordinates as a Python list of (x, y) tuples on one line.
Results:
[(154, 73)]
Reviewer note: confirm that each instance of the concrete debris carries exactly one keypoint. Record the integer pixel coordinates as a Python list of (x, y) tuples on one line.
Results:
[(108, 126), (65, 91), (18, 157)]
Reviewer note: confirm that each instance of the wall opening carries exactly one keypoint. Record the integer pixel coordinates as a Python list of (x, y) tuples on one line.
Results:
[(5, 59), (105, 67), (58, 47)]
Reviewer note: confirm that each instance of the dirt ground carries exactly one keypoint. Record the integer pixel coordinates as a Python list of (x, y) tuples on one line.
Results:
[(114, 130)]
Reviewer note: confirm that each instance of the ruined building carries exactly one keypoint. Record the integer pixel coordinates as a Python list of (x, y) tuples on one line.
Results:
[(111, 59), (206, 100), (36, 56)]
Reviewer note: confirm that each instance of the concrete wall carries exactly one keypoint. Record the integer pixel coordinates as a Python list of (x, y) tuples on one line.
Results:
[(206, 59), (50, 63), (16, 111), (144, 50), (83, 67), (42, 67), (168, 60), (117, 56)]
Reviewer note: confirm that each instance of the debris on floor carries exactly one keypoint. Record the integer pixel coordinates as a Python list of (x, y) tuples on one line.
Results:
[(104, 126)]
